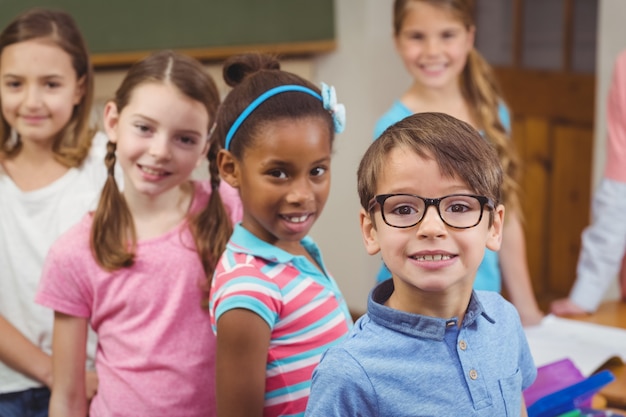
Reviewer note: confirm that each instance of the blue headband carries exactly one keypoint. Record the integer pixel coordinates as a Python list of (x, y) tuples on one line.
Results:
[(328, 99)]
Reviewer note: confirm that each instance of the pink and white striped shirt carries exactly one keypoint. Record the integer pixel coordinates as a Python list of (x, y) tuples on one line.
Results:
[(301, 304)]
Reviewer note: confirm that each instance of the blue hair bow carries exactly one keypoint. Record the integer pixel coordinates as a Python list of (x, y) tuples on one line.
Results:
[(337, 110)]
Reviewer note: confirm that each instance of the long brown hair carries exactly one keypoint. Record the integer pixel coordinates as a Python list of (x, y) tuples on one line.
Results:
[(251, 75), (481, 90), (72, 144), (113, 237)]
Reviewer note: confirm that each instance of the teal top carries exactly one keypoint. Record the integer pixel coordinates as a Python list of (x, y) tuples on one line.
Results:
[(488, 276)]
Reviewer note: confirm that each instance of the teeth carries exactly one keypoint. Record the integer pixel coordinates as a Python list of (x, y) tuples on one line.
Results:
[(151, 171), (433, 257), (297, 219), (437, 67)]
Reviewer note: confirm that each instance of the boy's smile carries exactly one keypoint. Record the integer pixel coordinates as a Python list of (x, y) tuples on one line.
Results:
[(429, 260)]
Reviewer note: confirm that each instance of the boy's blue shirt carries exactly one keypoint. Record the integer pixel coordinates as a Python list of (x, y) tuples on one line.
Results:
[(397, 364)]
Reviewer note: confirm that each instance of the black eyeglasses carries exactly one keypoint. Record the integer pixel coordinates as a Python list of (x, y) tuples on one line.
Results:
[(460, 211)]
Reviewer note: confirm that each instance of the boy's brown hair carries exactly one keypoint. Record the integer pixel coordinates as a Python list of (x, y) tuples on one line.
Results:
[(459, 150)]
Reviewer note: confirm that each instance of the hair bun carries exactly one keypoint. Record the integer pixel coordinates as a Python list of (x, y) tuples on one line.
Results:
[(238, 67)]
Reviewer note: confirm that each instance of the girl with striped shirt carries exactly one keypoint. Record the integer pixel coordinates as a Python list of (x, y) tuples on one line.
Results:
[(274, 306)]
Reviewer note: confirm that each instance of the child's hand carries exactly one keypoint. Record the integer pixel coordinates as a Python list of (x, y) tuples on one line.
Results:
[(565, 307), (91, 384)]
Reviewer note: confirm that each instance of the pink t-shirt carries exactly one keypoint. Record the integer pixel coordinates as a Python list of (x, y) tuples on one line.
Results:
[(156, 350)]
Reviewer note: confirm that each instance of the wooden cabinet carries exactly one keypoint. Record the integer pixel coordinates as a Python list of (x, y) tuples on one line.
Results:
[(555, 143), (551, 98)]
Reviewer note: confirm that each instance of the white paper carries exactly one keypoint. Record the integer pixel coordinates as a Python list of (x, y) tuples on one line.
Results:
[(587, 345)]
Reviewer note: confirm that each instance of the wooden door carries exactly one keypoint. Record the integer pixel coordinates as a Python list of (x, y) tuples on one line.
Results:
[(543, 52)]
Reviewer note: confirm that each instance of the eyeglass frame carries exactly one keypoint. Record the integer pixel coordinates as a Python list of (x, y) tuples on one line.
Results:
[(381, 198)]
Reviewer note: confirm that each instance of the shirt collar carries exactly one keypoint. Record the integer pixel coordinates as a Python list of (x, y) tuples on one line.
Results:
[(416, 324), (243, 241)]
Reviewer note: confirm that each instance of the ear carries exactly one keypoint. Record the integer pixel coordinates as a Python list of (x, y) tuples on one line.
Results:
[(471, 37), (111, 121), (396, 43), (494, 239), (80, 90), (205, 150), (228, 167), (368, 230)]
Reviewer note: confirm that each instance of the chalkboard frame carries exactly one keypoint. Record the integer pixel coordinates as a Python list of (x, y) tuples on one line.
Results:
[(120, 32)]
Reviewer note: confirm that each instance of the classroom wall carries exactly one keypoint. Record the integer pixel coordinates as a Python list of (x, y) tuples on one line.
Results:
[(368, 76)]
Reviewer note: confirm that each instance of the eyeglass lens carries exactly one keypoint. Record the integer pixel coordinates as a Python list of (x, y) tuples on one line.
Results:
[(459, 211)]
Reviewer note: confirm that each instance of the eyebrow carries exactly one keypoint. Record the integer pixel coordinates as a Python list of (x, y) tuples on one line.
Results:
[(182, 131), (287, 164), (44, 77)]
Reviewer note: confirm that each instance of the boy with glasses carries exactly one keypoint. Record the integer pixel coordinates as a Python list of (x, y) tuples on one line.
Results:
[(429, 345)]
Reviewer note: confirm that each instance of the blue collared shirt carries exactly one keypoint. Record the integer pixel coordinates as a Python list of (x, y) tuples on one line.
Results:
[(397, 364)]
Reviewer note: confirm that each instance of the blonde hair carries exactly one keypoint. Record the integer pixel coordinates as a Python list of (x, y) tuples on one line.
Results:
[(481, 90), (72, 144)]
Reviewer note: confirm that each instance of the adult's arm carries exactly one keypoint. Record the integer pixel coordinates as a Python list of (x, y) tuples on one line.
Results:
[(602, 251), (604, 240)]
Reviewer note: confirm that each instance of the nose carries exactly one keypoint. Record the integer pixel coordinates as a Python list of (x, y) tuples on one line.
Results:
[(300, 192), (160, 148), (431, 224), (33, 97), (431, 45)]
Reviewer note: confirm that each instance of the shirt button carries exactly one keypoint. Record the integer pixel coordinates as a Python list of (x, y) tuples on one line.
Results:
[(473, 374), (462, 345)]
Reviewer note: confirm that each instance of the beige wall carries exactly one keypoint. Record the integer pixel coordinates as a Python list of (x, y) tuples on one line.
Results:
[(106, 82), (368, 76)]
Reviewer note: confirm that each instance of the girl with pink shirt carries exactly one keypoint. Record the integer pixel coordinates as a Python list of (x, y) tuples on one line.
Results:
[(135, 268)]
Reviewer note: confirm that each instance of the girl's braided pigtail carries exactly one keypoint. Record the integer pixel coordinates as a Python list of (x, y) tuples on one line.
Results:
[(113, 237)]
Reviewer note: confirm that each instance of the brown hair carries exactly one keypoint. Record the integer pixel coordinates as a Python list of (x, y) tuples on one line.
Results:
[(251, 75), (113, 238), (459, 150), (481, 91), (74, 141)]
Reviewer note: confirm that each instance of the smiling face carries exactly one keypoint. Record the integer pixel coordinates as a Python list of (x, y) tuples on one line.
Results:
[(39, 89), (283, 179), (434, 45), (161, 136), (429, 258)]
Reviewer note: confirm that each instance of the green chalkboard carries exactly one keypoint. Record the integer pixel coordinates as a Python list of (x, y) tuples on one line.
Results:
[(119, 30)]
